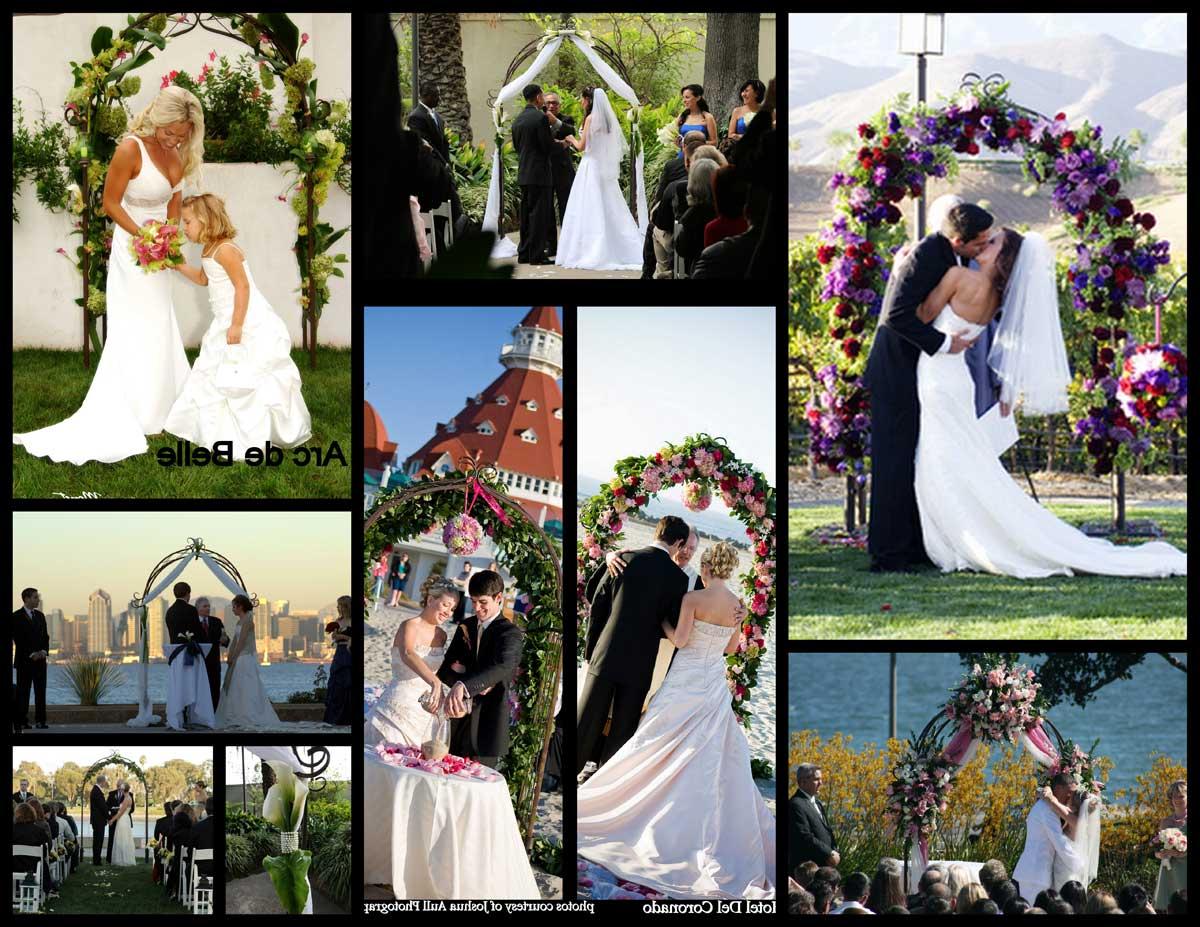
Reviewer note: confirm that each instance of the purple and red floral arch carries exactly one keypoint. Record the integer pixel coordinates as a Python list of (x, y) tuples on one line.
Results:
[(700, 464), (1128, 390)]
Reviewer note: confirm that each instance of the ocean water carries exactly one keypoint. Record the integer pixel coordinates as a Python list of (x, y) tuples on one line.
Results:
[(279, 679), (848, 693)]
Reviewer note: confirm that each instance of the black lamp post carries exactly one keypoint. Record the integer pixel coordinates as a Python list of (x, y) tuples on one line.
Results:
[(922, 34)]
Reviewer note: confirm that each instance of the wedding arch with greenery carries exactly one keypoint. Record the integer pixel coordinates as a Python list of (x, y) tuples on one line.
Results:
[(700, 464), (1114, 262), (533, 560), (97, 112), (115, 759)]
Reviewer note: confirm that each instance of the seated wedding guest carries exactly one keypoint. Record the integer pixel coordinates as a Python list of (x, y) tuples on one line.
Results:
[(29, 832), (1074, 894), (689, 239), (674, 170), (1003, 892), (938, 891), (431, 127), (957, 875), (930, 877), (1056, 906), (985, 906), (42, 819), (805, 873), (162, 831), (855, 891), (200, 837), (1134, 899), (68, 829), (1015, 906), (661, 227), (200, 793), (181, 828), (822, 893), (751, 93), (896, 909), (338, 708), (731, 259), (938, 906), (729, 201), (991, 874), (887, 888), (1100, 903), (828, 874), (967, 896), (800, 901), (755, 154), (1178, 902)]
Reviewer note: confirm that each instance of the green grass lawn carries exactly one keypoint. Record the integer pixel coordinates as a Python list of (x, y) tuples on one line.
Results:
[(831, 594), (111, 890), (48, 386)]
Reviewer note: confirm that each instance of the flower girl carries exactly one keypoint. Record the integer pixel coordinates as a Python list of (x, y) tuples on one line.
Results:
[(244, 387)]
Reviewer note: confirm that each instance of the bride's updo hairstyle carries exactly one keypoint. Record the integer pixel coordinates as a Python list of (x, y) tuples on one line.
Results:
[(175, 104), (721, 559), (589, 94), (436, 586), (244, 603), (209, 210), (1006, 260)]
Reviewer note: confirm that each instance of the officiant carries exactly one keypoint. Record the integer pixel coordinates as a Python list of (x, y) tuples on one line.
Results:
[(212, 631), (562, 162)]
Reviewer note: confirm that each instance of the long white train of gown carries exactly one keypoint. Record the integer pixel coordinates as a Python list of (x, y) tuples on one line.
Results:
[(598, 230), (975, 517)]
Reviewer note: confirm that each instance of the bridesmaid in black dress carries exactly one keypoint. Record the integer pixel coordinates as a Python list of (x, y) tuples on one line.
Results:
[(341, 672)]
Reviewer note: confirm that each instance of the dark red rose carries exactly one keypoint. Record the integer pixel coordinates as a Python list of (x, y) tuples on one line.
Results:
[(1107, 355), (1059, 117), (961, 145), (915, 189), (1125, 206), (852, 251), (825, 253), (841, 310), (867, 247), (619, 491), (1012, 133), (892, 214), (641, 500), (1099, 371), (837, 333), (851, 347), (857, 326), (1123, 274), (972, 149), (1148, 221), (1112, 186), (1116, 312), (1099, 333), (1123, 244), (865, 131), (1095, 202), (1067, 139)]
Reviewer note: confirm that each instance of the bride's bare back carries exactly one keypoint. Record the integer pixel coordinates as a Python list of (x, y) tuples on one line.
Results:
[(969, 292)]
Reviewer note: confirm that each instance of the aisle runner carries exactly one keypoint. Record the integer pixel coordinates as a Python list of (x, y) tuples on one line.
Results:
[(599, 884)]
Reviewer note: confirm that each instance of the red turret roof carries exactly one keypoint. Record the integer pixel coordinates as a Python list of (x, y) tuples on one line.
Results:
[(544, 317), (377, 449)]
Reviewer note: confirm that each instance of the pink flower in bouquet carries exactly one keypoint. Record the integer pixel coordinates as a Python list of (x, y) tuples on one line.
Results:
[(462, 535), (697, 497)]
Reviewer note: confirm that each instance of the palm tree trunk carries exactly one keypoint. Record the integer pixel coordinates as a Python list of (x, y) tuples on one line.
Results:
[(441, 61)]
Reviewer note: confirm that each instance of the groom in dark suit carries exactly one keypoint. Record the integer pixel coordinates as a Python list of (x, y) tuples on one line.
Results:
[(98, 807), (31, 646), (113, 805), (624, 628), (482, 662), (810, 838), (534, 145), (894, 540), (182, 617)]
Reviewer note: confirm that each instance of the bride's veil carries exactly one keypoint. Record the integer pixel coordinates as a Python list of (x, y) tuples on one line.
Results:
[(1028, 353), (606, 144)]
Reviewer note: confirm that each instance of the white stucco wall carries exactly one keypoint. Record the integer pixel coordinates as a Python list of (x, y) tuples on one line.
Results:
[(45, 284)]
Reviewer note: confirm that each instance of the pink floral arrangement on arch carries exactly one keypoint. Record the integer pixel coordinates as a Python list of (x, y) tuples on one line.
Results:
[(996, 701)]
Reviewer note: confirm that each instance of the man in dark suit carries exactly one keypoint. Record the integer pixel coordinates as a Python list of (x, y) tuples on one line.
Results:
[(31, 646), (182, 617), (115, 797), (534, 144), (894, 539), (810, 838), (431, 127), (624, 628), (482, 662), (212, 631), (201, 838), (562, 164), (99, 816), (162, 833), (23, 794)]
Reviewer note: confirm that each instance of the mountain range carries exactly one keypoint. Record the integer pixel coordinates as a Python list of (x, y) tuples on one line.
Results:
[(1093, 77)]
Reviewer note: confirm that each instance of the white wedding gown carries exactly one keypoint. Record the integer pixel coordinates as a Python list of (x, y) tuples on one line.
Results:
[(123, 851), (1087, 846), (245, 703), (142, 367), (974, 516), (676, 808), (396, 717), (274, 409)]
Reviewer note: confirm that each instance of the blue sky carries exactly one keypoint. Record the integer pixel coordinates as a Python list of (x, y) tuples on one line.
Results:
[(421, 363), (651, 375), (870, 39)]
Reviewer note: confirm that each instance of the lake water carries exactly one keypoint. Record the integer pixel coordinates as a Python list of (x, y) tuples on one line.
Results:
[(848, 693), (279, 679)]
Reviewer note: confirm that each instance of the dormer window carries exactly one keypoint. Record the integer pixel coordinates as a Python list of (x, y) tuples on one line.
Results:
[(529, 436), (476, 400), (558, 414), (486, 428), (531, 405), (501, 400), (452, 426)]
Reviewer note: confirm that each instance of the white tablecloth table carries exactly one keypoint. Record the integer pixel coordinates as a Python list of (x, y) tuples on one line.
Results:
[(187, 688), (435, 836)]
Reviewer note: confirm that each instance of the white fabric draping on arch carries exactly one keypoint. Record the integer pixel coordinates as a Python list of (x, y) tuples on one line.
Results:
[(284, 755), (491, 214), (145, 718)]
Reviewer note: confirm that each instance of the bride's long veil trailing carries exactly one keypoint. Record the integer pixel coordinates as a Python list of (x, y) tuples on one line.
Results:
[(606, 144), (1028, 352)]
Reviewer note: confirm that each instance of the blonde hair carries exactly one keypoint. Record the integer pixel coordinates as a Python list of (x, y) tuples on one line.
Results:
[(175, 104), (721, 559), (437, 584), (968, 895), (710, 153), (1179, 786), (209, 210)]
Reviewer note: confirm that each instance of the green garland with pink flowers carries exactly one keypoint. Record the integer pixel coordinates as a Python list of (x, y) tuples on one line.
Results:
[(702, 465)]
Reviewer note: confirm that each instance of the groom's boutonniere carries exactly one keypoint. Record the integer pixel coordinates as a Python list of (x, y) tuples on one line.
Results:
[(185, 636)]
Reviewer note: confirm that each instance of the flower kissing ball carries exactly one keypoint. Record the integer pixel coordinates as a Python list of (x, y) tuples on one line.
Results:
[(462, 535), (1153, 384), (696, 496), (157, 246)]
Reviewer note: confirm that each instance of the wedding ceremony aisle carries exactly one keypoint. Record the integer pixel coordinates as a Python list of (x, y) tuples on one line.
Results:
[(112, 890)]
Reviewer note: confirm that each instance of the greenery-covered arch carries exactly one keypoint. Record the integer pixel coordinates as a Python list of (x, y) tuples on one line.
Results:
[(115, 759), (94, 109), (532, 558)]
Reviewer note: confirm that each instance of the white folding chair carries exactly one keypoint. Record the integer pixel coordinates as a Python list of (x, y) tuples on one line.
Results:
[(56, 865), (680, 269), (430, 235), (185, 886), (444, 211), (27, 892), (202, 897)]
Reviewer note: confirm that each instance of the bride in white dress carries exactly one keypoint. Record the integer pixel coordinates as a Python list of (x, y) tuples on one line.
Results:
[(123, 851), (676, 808), (142, 367), (973, 515), (244, 701), (598, 230), (417, 653)]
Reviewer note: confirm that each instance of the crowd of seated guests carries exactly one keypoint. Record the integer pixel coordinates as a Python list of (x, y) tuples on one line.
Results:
[(949, 890), (38, 825), (183, 826)]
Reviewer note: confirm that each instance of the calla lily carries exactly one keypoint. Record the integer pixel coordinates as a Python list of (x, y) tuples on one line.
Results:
[(284, 804)]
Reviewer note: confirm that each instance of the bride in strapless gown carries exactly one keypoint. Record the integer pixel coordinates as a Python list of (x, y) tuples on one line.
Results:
[(974, 516), (417, 653)]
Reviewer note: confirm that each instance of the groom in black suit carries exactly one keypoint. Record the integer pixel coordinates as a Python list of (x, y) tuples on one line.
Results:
[(31, 646), (810, 838), (98, 806), (182, 617), (624, 628), (894, 540), (482, 662), (534, 145)]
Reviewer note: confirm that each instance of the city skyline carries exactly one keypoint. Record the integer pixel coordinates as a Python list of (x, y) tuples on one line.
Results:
[(303, 557)]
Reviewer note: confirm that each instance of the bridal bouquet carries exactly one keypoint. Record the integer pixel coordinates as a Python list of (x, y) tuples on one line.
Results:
[(1079, 766), (1171, 843), (157, 246), (284, 807), (996, 702)]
